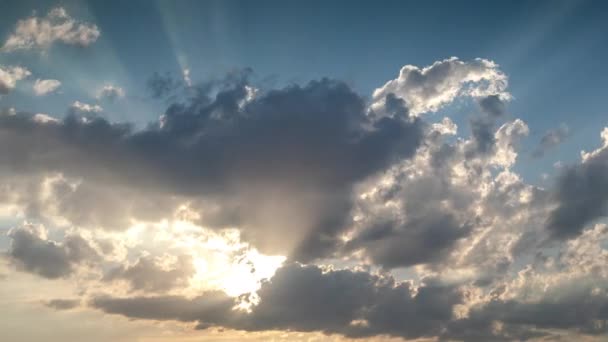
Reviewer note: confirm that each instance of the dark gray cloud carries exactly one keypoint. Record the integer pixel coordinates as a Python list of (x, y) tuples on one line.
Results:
[(483, 127), (284, 162), (576, 308), (359, 304), (482, 134), (418, 240), (493, 105), (211, 307), (581, 196), (148, 275), (550, 140), (304, 298), (32, 252), (416, 218)]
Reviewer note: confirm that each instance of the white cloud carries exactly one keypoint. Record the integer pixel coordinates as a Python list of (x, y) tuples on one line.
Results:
[(111, 92), (187, 79), (506, 138), (586, 156), (43, 87), (44, 118), (82, 107), (9, 77), (42, 32), (430, 88), (445, 127)]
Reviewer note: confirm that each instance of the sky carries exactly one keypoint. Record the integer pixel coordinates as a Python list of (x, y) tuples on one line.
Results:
[(303, 171)]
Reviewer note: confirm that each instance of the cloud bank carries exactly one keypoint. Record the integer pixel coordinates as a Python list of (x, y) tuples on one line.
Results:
[(312, 208)]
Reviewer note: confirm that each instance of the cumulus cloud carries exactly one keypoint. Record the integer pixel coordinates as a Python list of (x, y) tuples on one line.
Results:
[(9, 76), (57, 26), (430, 88), (43, 87), (111, 93), (423, 210)]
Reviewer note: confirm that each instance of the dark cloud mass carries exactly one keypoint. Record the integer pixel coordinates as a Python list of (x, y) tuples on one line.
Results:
[(482, 127), (30, 250), (419, 240), (581, 197), (304, 298), (298, 149), (493, 105), (580, 307)]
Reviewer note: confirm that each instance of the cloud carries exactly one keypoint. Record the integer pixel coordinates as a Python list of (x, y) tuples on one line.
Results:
[(482, 127), (43, 87), (422, 211), (576, 304), (186, 76), (580, 194), (551, 139), (149, 274), (9, 77), (84, 108), (56, 26), (63, 304), (111, 93), (31, 251), (430, 88), (288, 158), (318, 174), (493, 105), (420, 239), (304, 298), (43, 118), (211, 307)]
